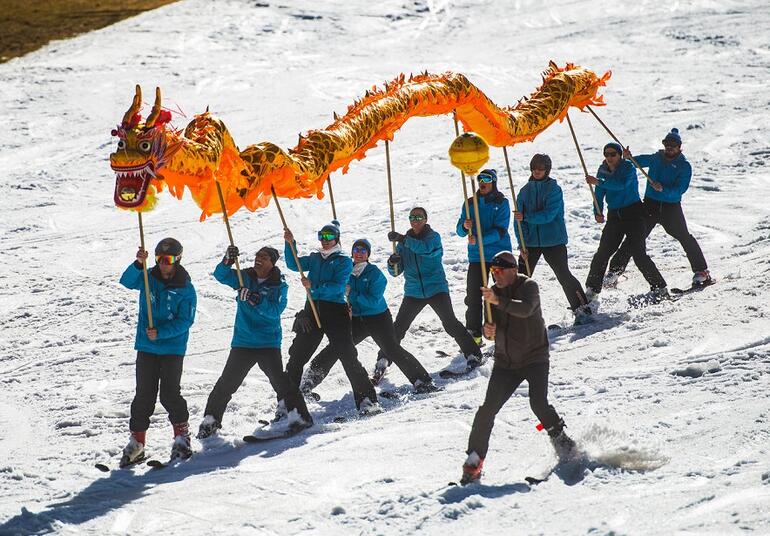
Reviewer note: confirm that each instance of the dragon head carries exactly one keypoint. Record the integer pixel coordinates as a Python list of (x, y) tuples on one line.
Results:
[(143, 149)]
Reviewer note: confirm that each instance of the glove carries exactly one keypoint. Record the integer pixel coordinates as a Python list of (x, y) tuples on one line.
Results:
[(394, 259), (254, 298), (231, 256), (394, 236), (303, 323)]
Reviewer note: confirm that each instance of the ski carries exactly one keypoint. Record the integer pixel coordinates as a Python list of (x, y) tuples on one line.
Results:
[(157, 464), (106, 468), (283, 434), (409, 392), (694, 288), (450, 374), (638, 301)]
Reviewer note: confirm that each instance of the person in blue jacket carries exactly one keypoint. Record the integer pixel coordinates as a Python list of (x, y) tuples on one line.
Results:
[(256, 338), (540, 209), (371, 317), (161, 348), (672, 171), (419, 258), (617, 181), (495, 217), (327, 274)]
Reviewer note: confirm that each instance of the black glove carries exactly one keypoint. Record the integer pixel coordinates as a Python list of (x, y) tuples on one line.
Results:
[(394, 259), (254, 298), (231, 255), (303, 323), (394, 236)]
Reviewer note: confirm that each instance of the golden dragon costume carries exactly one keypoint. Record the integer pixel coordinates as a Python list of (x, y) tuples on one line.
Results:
[(152, 155)]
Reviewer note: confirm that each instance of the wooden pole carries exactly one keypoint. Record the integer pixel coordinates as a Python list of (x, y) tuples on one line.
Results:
[(296, 259), (390, 199), (229, 232), (146, 278), (331, 197), (618, 141), (462, 176), (480, 240), (513, 194), (583, 163)]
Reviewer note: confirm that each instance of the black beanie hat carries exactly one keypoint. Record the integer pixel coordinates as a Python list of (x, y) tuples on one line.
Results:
[(615, 146), (271, 252), (504, 259), (168, 246), (541, 160)]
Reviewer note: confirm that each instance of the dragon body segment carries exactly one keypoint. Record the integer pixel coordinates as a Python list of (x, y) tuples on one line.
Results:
[(152, 154)]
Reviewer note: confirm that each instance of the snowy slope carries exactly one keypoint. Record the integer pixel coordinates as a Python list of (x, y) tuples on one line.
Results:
[(670, 401)]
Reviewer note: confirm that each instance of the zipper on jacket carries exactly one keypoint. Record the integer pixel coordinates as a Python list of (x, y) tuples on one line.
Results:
[(419, 275)]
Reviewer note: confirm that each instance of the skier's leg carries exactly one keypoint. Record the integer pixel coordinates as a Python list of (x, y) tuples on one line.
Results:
[(170, 389), (537, 377), (442, 305), (239, 363), (302, 348), (675, 225), (556, 257), (473, 299), (380, 327), (612, 235), (620, 260), (410, 308), (269, 361), (502, 384), (533, 256), (324, 360), (634, 227), (143, 405)]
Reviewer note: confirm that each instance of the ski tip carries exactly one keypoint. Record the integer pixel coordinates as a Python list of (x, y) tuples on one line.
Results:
[(534, 481), (103, 468), (441, 353), (156, 464), (264, 422)]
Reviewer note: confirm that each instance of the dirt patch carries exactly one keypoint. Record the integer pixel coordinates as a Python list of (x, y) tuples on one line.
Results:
[(26, 25)]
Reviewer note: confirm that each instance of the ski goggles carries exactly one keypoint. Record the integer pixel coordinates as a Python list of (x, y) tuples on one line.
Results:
[(485, 179), (167, 259), (416, 217), (359, 250), (326, 235)]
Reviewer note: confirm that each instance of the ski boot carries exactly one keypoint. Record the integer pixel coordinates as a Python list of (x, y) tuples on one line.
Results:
[(367, 408), (424, 387), (472, 469), (380, 368), (473, 362), (280, 412), (583, 315), (701, 279), (133, 452), (208, 427), (297, 422), (565, 447), (657, 295), (181, 448), (611, 279)]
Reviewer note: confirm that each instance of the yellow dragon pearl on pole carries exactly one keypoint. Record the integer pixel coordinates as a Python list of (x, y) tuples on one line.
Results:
[(468, 153)]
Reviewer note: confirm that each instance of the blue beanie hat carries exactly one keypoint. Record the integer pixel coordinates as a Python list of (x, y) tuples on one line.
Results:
[(673, 136), (488, 173), (333, 227), (614, 146), (365, 243)]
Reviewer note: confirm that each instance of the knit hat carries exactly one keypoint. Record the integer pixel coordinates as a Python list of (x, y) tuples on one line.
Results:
[(541, 160), (491, 173), (504, 259), (363, 242), (614, 146), (333, 227), (673, 136), (168, 246), (271, 252)]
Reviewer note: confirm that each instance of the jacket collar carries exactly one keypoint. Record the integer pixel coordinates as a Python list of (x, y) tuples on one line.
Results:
[(425, 232), (178, 280), (273, 277)]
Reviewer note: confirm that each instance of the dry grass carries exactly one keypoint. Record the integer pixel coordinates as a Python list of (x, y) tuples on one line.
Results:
[(26, 25)]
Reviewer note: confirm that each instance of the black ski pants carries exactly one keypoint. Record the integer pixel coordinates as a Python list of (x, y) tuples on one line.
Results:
[(625, 222), (442, 306), (239, 363), (502, 384), (671, 217), (474, 312), (152, 371), (556, 257), (335, 324), (380, 328)]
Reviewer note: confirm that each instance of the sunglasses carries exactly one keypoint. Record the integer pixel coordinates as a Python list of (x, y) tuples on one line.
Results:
[(611, 154), (669, 145), (538, 169), (167, 259), (486, 179), (359, 250), (416, 217), (499, 269), (326, 235)]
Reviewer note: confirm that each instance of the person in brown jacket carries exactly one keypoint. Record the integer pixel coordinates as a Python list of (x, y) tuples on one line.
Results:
[(521, 353)]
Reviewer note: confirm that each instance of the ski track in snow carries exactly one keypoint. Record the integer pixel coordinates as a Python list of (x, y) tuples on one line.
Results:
[(669, 402)]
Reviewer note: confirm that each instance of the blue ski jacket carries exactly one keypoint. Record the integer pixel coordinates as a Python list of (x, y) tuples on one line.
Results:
[(495, 217), (367, 292), (542, 202), (421, 264), (173, 309), (674, 175), (328, 277), (620, 187), (256, 326)]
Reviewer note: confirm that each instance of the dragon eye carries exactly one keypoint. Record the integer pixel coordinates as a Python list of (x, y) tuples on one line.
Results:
[(144, 146), (121, 144)]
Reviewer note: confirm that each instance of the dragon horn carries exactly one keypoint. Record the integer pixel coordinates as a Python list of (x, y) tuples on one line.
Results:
[(136, 105), (155, 111)]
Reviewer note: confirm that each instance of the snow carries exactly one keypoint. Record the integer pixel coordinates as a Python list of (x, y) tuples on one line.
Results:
[(669, 401)]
